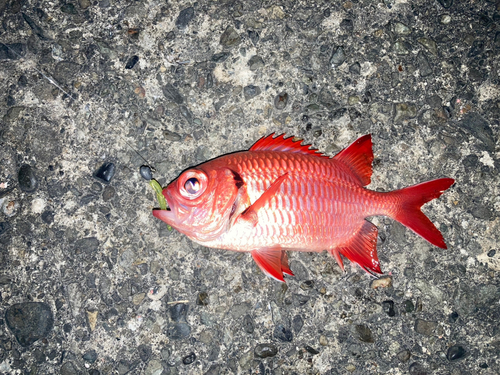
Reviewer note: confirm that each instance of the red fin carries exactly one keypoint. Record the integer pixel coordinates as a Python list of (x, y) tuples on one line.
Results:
[(411, 199), (250, 214), (358, 157), (273, 262), (362, 249), (280, 143), (284, 264)]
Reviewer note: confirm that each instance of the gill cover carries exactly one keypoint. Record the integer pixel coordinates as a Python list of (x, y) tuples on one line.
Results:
[(200, 202)]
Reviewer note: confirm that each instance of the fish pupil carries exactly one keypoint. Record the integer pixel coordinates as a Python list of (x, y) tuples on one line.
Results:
[(192, 185)]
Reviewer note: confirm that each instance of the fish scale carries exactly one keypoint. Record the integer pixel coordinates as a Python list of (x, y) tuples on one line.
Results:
[(281, 196)]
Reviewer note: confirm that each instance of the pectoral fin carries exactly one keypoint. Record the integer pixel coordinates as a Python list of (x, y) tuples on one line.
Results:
[(273, 262), (250, 214)]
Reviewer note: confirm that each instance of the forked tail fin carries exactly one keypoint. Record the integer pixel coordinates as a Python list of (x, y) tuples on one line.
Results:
[(409, 201)]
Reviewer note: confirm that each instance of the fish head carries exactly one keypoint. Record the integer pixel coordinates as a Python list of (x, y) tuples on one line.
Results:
[(200, 202)]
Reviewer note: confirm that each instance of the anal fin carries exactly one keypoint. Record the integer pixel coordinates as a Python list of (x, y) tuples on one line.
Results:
[(273, 262), (361, 249)]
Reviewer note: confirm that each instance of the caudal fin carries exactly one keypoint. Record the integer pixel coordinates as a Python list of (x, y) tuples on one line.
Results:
[(408, 211)]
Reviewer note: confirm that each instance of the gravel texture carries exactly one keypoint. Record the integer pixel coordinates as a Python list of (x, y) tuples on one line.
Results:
[(91, 283)]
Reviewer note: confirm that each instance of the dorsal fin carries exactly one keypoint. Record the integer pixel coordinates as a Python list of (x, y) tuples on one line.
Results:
[(358, 157), (280, 143)]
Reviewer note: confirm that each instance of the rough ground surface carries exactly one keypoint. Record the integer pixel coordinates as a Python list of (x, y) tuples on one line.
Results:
[(91, 283)]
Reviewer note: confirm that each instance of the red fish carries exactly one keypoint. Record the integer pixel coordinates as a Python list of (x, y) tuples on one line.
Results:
[(282, 196)]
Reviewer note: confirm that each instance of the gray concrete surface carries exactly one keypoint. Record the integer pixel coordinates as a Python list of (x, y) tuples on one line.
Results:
[(91, 283)]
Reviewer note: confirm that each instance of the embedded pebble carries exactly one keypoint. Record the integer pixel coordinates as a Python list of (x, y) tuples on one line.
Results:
[(265, 350), (190, 358), (251, 91), (425, 327), (255, 63), (27, 179), (230, 37), (131, 62), (146, 172), (455, 352), (281, 100), (338, 56), (29, 321), (185, 16), (106, 172)]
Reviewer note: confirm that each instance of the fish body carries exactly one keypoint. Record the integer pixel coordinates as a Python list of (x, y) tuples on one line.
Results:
[(281, 196)]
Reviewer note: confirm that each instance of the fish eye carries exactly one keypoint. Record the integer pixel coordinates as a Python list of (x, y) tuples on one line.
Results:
[(192, 185)]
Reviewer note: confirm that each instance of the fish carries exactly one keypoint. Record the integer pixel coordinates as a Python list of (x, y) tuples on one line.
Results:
[(282, 196)]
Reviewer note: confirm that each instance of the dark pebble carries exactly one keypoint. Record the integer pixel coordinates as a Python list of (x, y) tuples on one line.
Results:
[(230, 37), (364, 333), (48, 217), (453, 317), (251, 91), (300, 299), (455, 352), (29, 321), (146, 172), (190, 358), (185, 16), (66, 71), (202, 299), (347, 25), (186, 113), (12, 51), (475, 124), (178, 312), (69, 368), (144, 352), (477, 48), (388, 307), (254, 36), (178, 331), (281, 100), (105, 173), (338, 56), (90, 356), (417, 369), (311, 350), (425, 327), (297, 323), (172, 94), (87, 245), (108, 193), (282, 333), (36, 29), (308, 284), (69, 8), (94, 372), (255, 63), (492, 253), (171, 136), (131, 62), (27, 179), (248, 324), (4, 227), (220, 57), (408, 306), (404, 355), (170, 36), (86, 199), (423, 65), (355, 68), (446, 3), (265, 350)]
